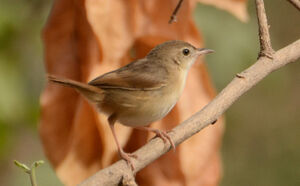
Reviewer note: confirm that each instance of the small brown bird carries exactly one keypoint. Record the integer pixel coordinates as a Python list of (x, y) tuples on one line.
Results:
[(143, 91)]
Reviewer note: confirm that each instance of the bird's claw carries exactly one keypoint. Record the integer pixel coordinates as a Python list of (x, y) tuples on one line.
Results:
[(128, 158), (165, 137)]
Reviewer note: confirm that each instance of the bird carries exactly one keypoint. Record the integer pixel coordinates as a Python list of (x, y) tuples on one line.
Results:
[(142, 91)]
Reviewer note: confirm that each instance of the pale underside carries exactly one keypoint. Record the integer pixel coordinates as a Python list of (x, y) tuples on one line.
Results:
[(137, 95)]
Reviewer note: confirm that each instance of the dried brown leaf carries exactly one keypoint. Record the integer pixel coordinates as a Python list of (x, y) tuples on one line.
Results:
[(84, 39)]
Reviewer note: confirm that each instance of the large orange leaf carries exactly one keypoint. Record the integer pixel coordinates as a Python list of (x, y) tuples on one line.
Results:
[(84, 39)]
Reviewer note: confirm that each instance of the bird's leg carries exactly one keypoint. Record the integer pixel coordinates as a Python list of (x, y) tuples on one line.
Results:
[(126, 156), (162, 134)]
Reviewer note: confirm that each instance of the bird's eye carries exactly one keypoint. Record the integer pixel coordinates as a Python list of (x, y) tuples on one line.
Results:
[(185, 51)]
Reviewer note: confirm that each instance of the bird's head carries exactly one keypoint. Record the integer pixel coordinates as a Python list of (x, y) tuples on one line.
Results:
[(178, 53)]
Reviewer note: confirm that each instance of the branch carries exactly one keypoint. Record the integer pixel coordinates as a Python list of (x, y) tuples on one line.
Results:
[(264, 36), (173, 16), (296, 3), (268, 62), (238, 86)]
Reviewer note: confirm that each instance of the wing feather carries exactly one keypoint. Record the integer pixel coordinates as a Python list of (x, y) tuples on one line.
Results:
[(138, 75)]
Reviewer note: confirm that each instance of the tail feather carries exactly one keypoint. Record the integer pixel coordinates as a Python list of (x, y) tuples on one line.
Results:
[(92, 93)]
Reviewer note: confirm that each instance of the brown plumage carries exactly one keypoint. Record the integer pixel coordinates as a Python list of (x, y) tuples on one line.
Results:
[(143, 91)]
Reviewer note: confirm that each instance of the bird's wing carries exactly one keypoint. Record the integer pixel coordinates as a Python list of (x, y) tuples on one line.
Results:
[(138, 75)]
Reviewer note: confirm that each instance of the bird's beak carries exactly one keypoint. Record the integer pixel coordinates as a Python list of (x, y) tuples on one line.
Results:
[(201, 51)]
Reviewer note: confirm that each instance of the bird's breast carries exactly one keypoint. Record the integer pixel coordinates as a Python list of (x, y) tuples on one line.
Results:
[(148, 112), (155, 105)]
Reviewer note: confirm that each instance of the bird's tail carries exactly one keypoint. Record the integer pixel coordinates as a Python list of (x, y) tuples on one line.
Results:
[(92, 93)]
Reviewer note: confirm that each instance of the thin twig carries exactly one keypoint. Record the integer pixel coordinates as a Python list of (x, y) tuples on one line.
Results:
[(32, 177), (296, 3), (155, 148), (264, 36), (173, 16)]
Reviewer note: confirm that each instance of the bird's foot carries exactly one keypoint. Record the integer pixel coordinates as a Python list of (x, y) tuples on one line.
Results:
[(128, 158), (164, 136)]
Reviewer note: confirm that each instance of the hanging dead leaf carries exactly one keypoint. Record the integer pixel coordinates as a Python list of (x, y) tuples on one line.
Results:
[(84, 39)]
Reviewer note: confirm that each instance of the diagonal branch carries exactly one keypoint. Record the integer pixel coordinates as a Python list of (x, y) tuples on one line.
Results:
[(119, 171), (296, 3), (264, 36), (237, 87), (173, 16)]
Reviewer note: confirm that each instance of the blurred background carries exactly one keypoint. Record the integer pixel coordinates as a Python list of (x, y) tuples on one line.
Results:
[(262, 138)]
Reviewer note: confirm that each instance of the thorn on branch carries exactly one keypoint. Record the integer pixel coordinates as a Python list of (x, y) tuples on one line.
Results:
[(215, 121), (173, 16), (266, 49), (240, 76)]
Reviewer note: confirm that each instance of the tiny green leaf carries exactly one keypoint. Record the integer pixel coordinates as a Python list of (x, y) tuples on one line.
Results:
[(37, 163), (22, 166)]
